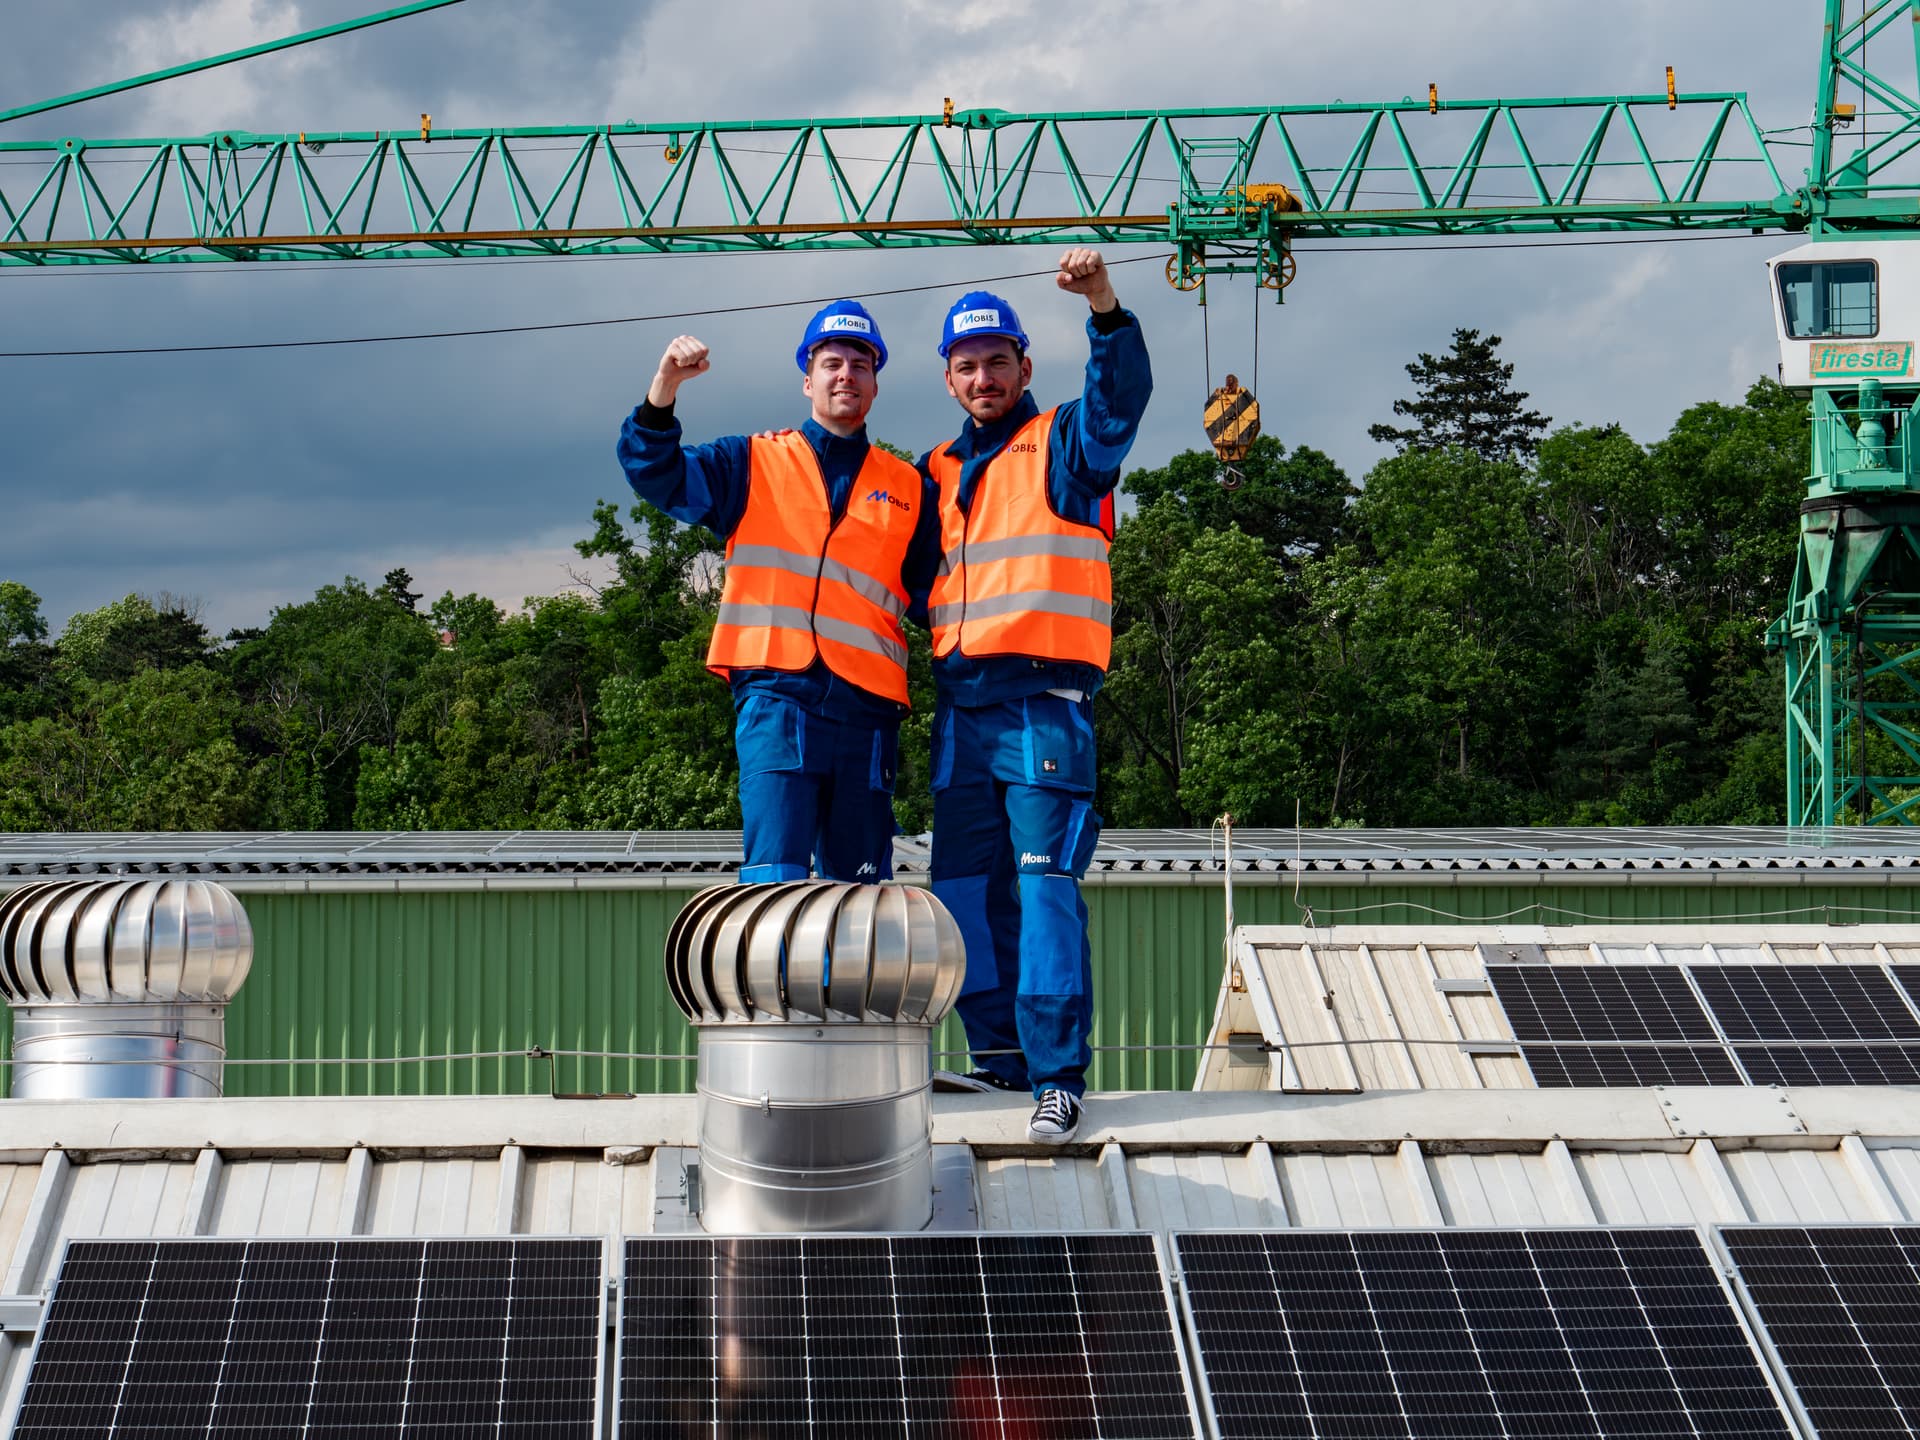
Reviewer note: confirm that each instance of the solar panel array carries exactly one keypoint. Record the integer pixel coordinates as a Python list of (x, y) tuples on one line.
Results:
[(1842, 1305), (924, 1335), (1415, 1334), (320, 1337), (1649, 1027), (1594, 1025), (1423, 1335)]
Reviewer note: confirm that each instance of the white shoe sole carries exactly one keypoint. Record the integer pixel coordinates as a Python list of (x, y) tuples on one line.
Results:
[(1055, 1137)]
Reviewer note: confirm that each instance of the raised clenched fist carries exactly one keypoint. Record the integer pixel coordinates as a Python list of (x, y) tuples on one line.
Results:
[(683, 359), (1083, 272)]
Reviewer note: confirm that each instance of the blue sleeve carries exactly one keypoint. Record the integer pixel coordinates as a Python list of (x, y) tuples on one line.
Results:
[(1091, 435), (923, 551), (702, 485)]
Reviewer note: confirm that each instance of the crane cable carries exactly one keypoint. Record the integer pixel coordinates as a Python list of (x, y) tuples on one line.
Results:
[(1206, 344)]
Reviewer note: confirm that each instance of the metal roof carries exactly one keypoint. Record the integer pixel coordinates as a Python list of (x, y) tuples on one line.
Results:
[(1320, 855), (1422, 1132), (1348, 1008), (531, 1165)]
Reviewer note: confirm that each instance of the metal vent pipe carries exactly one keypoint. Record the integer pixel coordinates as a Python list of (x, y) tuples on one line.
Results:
[(119, 988), (815, 1003)]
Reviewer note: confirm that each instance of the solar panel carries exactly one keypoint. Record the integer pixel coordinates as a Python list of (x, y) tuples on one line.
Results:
[(924, 1335), (1858, 1064), (1841, 1304), (1557, 1067), (1422, 1334), (1649, 1028), (1599, 1002), (1806, 1002), (320, 1337)]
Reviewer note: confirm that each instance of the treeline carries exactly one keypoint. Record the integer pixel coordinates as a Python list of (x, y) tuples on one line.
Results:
[(1503, 625)]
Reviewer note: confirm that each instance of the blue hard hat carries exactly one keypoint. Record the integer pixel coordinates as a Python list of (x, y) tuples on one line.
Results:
[(980, 312), (846, 320)]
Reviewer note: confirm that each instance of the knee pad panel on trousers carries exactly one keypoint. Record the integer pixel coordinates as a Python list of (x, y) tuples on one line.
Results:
[(1053, 936)]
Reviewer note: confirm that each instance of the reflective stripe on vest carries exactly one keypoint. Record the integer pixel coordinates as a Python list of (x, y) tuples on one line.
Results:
[(1015, 578), (800, 587)]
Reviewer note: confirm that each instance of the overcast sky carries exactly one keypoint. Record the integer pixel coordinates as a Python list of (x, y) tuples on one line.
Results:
[(246, 480)]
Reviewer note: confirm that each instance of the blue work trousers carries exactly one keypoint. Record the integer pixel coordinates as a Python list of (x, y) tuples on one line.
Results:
[(1013, 830), (814, 789)]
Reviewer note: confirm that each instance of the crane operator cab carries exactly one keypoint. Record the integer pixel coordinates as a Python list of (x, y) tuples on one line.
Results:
[(1847, 315)]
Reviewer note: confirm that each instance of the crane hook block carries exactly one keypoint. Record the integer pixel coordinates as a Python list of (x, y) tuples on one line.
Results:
[(1232, 419)]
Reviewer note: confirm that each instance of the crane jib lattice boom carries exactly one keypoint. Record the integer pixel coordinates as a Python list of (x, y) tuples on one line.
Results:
[(1227, 188), (1179, 176)]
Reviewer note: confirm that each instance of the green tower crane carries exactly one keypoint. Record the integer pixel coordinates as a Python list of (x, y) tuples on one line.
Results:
[(1228, 191)]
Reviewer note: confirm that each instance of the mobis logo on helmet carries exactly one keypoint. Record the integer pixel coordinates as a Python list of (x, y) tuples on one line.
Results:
[(976, 320), (859, 324)]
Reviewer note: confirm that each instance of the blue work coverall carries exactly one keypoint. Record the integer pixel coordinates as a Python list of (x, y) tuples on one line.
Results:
[(818, 754), (1013, 760)]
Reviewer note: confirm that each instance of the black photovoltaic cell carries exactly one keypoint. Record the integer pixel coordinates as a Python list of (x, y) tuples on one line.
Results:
[(1561, 1066), (1805, 1002), (1909, 978), (939, 1336), (1862, 1064), (1599, 1002), (319, 1337), (1418, 1334), (1842, 1304)]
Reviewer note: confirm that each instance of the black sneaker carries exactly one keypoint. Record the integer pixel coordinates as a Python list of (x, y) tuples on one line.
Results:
[(974, 1082), (1056, 1119)]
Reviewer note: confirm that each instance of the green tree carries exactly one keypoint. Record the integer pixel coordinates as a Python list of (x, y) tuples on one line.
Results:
[(155, 752), (165, 636), (1296, 504), (666, 581), (20, 618), (1729, 482), (325, 678), (1466, 398), (664, 756), (85, 635), (28, 684), (397, 586), (1196, 712), (1454, 623)]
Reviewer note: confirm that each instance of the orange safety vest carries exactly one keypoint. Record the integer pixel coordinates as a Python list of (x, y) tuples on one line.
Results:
[(802, 586), (1015, 578)]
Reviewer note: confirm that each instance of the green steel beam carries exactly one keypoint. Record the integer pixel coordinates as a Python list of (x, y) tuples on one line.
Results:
[(1453, 169), (153, 77)]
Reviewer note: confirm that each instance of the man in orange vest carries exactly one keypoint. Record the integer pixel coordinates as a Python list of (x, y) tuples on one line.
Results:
[(1021, 614), (819, 528)]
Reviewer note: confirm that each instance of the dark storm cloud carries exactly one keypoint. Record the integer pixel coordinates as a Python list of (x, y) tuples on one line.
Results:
[(248, 479)]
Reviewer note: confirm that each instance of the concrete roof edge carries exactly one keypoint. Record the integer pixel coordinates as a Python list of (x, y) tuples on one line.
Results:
[(1504, 1120)]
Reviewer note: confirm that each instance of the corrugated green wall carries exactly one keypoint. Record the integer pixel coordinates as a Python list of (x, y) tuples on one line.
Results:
[(410, 973)]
